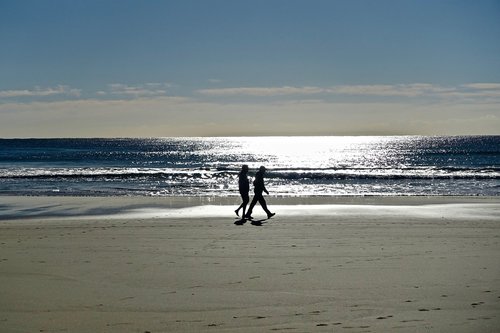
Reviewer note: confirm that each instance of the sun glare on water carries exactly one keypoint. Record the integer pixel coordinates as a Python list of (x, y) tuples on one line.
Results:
[(309, 152)]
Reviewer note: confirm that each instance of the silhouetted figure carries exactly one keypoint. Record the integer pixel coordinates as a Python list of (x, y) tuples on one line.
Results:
[(259, 187), (244, 188)]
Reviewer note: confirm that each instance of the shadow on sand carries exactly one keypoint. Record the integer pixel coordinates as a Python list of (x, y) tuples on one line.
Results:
[(257, 223)]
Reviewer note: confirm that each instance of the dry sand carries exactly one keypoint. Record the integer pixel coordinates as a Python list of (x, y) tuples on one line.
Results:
[(182, 265)]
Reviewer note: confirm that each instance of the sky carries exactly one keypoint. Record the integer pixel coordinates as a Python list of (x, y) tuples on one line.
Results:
[(102, 68)]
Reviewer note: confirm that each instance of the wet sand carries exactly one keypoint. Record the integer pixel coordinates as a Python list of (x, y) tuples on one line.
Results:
[(392, 264)]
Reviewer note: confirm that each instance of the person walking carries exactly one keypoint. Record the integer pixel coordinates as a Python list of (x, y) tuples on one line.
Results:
[(244, 188), (259, 187)]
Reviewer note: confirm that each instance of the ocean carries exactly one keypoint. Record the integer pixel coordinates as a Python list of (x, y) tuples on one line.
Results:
[(297, 166)]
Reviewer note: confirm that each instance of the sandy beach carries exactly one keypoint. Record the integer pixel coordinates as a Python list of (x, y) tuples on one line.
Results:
[(346, 264)]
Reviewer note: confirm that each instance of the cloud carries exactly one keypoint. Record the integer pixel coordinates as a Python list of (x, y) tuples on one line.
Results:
[(151, 90), (405, 90), (121, 90), (483, 86), (413, 90), (144, 110), (262, 91), (142, 90), (409, 90), (41, 92), (180, 116), (478, 90)]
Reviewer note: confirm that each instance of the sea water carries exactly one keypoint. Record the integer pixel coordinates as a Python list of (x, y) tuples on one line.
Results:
[(312, 166)]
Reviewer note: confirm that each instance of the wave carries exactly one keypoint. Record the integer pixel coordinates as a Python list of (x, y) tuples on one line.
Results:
[(289, 174), (389, 173)]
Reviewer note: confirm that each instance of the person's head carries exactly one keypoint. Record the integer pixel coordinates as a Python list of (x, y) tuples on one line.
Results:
[(262, 169), (244, 168)]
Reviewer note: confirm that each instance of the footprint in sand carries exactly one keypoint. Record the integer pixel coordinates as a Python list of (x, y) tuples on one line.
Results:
[(284, 329), (197, 286), (476, 304), (118, 324), (424, 310), (317, 312), (389, 316)]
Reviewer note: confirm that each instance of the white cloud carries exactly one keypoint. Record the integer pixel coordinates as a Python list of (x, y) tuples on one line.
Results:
[(475, 91), (414, 90), (409, 90), (144, 110), (151, 90), (473, 95), (178, 116), (262, 91), (405, 90), (483, 86), (143, 90), (40, 92)]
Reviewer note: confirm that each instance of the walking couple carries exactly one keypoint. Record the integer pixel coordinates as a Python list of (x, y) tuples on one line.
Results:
[(244, 187)]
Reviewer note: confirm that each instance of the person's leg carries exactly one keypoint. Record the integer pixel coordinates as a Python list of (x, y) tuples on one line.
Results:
[(263, 204), (246, 199), (243, 204), (252, 204)]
